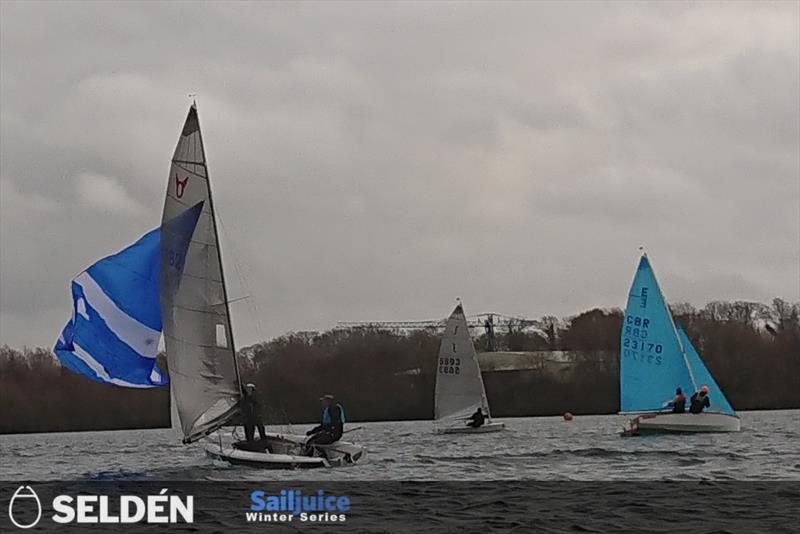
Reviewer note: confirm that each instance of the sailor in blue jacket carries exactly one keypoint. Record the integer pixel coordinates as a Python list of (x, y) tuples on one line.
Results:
[(332, 426)]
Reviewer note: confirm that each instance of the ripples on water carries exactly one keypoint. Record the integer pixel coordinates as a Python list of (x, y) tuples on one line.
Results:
[(545, 448)]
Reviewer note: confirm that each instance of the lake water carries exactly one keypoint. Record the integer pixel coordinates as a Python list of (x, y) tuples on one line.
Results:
[(541, 448)]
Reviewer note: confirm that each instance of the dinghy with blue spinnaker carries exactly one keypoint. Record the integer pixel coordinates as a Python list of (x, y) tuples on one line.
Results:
[(459, 385), (112, 336), (656, 357), (205, 384), (171, 280)]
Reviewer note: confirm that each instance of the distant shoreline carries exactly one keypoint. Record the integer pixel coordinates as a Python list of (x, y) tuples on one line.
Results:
[(540, 369)]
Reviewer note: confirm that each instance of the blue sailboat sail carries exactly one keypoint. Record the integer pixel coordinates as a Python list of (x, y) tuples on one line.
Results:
[(703, 377), (115, 327), (652, 363)]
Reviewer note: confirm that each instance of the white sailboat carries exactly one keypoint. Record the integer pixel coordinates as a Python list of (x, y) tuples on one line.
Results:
[(459, 384), (205, 386), (656, 357)]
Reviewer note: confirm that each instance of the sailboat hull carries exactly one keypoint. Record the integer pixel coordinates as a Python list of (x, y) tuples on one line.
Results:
[(483, 429), (669, 423), (285, 451), (263, 460)]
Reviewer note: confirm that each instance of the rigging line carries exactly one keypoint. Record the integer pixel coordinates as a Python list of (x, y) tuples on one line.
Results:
[(674, 328), (255, 310)]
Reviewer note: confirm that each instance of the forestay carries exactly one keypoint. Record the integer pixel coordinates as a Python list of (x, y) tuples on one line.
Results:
[(652, 359), (197, 329), (459, 385)]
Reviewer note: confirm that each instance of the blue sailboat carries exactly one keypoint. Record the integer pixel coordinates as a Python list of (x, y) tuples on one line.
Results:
[(656, 358)]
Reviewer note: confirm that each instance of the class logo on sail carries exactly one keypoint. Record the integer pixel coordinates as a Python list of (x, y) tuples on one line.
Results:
[(180, 185), (21, 506)]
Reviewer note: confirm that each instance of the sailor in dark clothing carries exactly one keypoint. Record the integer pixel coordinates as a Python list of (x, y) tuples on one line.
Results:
[(678, 404), (251, 413), (477, 419), (332, 426), (700, 400)]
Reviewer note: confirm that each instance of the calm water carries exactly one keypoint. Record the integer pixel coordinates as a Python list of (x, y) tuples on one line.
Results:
[(588, 448)]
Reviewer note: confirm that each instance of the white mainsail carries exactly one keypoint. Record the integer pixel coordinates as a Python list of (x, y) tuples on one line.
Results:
[(204, 377), (459, 384)]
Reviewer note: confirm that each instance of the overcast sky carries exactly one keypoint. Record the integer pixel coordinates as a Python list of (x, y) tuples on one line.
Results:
[(376, 160)]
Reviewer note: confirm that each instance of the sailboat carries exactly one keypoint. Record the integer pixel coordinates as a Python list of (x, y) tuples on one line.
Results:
[(656, 357), (459, 385), (205, 384)]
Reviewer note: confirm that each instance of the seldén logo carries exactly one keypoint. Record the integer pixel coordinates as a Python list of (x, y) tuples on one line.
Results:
[(289, 505), (25, 509), (21, 505)]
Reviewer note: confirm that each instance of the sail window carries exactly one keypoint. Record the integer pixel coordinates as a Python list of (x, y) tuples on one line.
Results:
[(222, 338)]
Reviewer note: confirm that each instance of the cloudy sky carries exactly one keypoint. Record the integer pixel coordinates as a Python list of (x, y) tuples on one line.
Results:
[(376, 160)]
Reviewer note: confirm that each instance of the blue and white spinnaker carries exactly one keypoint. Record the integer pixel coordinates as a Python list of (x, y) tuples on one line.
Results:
[(115, 328)]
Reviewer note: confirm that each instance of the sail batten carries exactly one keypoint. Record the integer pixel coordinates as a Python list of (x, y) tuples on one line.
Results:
[(197, 324)]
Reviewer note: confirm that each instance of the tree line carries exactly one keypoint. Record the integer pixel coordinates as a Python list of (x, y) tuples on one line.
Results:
[(752, 349)]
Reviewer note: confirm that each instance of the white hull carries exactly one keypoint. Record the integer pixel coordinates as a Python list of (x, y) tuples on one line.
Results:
[(681, 423), (285, 451), (483, 429)]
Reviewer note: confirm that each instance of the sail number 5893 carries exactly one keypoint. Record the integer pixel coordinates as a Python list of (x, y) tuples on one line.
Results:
[(449, 366)]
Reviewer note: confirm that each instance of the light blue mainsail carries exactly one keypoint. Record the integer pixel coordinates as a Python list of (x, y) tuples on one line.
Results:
[(703, 377), (115, 327), (652, 361)]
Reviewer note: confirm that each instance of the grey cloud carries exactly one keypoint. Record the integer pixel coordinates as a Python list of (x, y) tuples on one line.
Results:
[(376, 160)]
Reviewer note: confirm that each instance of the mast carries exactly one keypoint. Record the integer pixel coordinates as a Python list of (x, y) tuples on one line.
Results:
[(219, 253), (484, 398), (672, 323)]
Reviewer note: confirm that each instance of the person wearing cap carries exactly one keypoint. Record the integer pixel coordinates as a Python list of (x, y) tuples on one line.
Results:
[(678, 403), (699, 400), (332, 426), (251, 414)]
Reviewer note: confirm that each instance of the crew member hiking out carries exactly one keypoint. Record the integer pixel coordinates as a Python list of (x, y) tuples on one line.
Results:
[(477, 419), (700, 400), (332, 426)]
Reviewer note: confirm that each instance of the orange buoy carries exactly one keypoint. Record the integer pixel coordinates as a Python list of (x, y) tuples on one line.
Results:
[(567, 416)]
